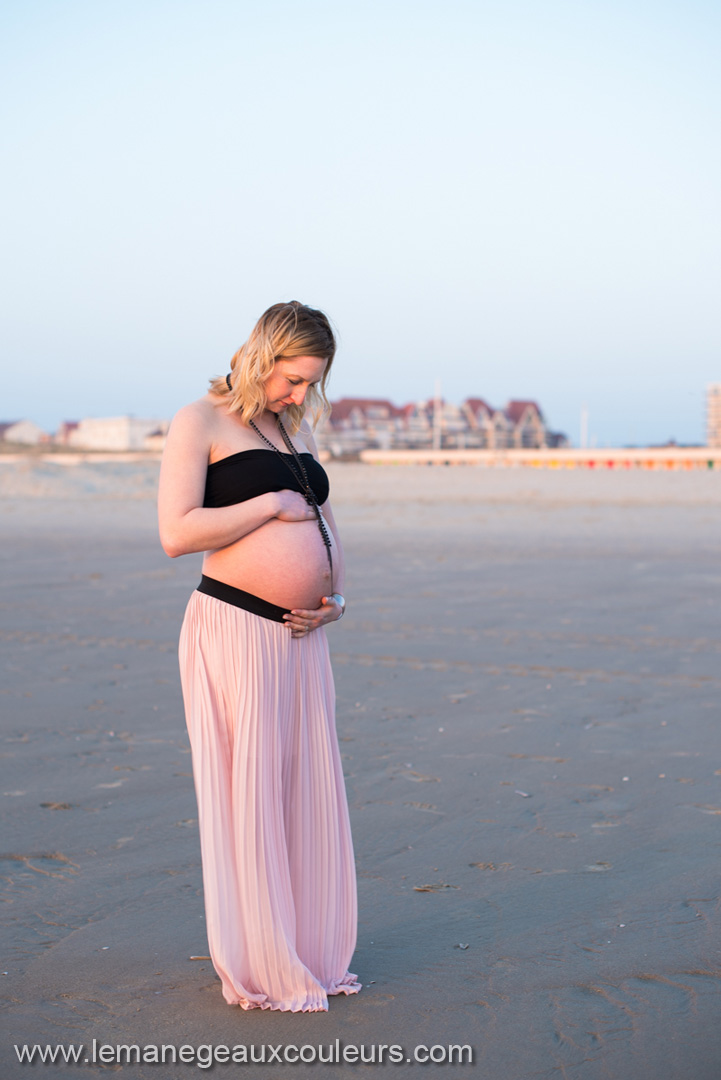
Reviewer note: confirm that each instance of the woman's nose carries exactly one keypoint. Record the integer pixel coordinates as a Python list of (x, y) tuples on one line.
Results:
[(298, 395)]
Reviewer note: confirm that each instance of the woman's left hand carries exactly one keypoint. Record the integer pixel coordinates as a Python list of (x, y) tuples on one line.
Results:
[(302, 622)]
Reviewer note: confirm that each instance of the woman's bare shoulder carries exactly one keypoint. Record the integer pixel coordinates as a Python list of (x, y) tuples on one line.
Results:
[(192, 431), (198, 416), (202, 409)]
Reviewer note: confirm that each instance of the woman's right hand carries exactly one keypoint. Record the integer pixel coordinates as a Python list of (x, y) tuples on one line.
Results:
[(293, 507)]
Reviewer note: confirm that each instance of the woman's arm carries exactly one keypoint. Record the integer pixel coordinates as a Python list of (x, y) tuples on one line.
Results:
[(185, 524), (302, 620), (338, 555)]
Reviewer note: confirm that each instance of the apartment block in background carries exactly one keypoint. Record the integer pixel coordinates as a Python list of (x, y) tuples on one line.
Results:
[(117, 433), (713, 415)]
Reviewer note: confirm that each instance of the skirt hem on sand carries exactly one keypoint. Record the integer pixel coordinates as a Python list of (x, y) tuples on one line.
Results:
[(347, 985)]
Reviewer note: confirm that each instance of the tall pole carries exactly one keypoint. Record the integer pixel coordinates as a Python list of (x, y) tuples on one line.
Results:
[(437, 417)]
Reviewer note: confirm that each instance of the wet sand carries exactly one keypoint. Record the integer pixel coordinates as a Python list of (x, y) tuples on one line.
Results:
[(528, 685)]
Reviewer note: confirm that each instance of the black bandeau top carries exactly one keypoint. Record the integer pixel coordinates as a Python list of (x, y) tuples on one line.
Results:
[(250, 473)]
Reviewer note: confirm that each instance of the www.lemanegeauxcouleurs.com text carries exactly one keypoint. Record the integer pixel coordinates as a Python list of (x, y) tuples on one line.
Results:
[(207, 1055)]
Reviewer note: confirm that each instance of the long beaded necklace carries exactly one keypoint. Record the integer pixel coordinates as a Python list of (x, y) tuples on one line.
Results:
[(297, 468)]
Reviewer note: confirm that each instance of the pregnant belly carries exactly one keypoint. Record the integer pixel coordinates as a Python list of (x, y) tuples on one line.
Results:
[(284, 562)]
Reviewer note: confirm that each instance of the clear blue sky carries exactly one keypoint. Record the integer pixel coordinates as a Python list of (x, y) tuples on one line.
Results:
[(518, 198)]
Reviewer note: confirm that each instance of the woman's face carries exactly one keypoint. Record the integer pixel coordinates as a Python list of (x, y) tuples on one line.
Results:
[(289, 380)]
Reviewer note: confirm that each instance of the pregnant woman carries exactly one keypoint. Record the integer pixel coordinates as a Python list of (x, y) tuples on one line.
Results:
[(241, 481)]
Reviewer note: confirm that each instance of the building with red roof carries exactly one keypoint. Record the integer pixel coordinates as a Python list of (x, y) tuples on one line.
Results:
[(376, 423)]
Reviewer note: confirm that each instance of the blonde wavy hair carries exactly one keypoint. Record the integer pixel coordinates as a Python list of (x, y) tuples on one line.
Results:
[(283, 331)]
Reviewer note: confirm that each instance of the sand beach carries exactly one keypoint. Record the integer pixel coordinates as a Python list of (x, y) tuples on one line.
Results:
[(528, 681)]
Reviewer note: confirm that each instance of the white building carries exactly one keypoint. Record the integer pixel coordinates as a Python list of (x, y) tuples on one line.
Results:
[(24, 432), (115, 433)]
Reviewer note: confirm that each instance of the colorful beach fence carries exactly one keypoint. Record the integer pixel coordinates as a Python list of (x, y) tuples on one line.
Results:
[(665, 458)]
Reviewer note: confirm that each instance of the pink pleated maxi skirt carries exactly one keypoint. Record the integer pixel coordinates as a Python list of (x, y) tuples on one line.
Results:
[(278, 868)]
